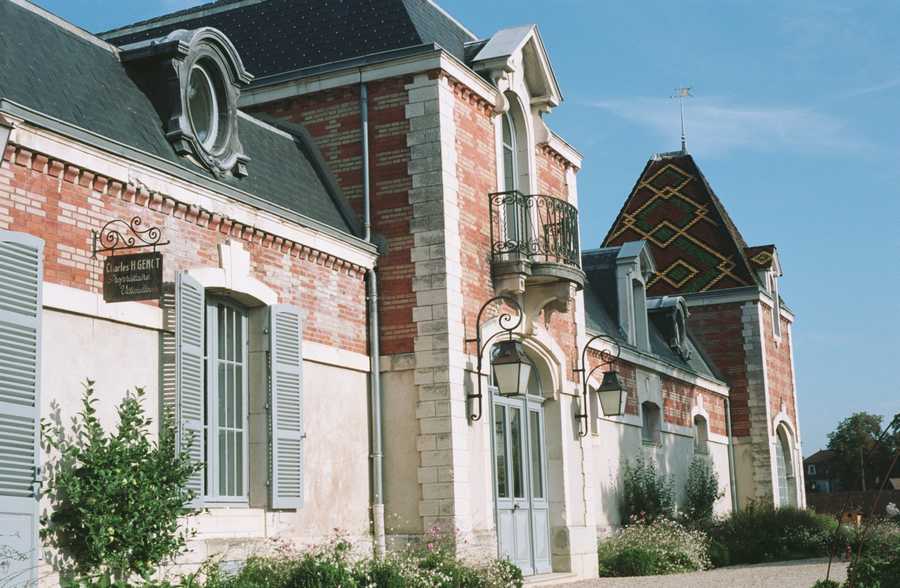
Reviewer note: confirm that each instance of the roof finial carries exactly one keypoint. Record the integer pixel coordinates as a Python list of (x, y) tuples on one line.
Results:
[(681, 94)]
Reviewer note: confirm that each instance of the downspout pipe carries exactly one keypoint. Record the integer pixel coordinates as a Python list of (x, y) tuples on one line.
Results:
[(735, 504), (374, 346)]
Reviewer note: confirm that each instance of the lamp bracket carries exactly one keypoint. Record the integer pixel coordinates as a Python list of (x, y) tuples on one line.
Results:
[(607, 358), (508, 324)]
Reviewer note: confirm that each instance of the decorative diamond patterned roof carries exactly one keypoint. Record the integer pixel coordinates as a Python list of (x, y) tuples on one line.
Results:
[(696, 245), (761, 256)]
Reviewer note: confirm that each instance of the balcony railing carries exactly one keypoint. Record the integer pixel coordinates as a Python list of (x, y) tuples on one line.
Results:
[(534, 227)]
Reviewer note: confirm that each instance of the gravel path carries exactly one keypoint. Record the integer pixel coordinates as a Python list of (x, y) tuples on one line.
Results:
[(789, 574)]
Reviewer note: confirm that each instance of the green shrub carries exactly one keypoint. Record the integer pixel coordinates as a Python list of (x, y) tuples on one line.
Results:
[(702, 490), (646, 495), (877, 563), (761, 533), (719, 556), (827, 584), (115, 498), (654, 547)]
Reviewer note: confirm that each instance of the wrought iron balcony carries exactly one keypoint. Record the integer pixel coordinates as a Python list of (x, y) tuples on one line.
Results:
[(536, 236)]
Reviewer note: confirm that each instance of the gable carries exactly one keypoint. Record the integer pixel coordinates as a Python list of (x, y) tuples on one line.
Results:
[(695, 244)]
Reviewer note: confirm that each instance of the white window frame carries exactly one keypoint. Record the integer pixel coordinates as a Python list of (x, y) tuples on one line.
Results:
[(213, 457)]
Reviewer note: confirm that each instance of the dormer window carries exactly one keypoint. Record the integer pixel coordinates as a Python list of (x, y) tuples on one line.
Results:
[(193, 78), (669, 314)]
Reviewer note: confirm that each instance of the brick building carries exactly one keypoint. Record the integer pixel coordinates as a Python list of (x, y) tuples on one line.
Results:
[(343, 186), (736, 314)]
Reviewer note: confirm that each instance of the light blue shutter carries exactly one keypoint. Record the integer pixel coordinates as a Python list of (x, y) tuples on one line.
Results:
[(21, 265), (286, 437), (189, 313)]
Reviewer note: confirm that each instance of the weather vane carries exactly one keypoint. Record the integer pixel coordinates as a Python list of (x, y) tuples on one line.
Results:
[(681, 94)]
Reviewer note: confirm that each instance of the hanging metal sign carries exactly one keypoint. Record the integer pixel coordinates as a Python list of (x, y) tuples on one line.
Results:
[(137, 276), (134, 276)]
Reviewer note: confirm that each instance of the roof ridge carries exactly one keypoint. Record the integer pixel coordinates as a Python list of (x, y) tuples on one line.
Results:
[(455, 21), (214, 7), (66, 25)]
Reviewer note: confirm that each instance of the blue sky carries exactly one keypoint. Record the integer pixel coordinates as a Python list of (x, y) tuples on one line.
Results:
[(794, 122)]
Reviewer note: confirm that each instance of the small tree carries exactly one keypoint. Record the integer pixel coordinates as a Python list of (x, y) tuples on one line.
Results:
[(702, 490), (115, 498), (647, 494)]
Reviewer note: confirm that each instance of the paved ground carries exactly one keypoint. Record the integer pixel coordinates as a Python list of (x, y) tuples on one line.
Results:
[(790, 574)]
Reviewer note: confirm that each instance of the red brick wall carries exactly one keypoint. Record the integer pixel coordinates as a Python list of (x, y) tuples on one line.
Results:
[(333, 118), (679, 399), (62, 203), (779, 370), (476, 168), (551, 173), (718, 329)]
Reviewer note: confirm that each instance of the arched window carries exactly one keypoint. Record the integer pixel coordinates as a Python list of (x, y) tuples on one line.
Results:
[(651, 423), (784, 467), (510, 167), (514, 174), (701, 434)]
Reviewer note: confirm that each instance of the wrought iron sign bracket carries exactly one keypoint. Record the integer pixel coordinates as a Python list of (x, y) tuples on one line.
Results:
[(508, 324), (118, 235), (607, 358)]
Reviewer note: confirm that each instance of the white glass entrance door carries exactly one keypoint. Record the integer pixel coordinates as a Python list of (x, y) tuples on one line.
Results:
[(520, 484)]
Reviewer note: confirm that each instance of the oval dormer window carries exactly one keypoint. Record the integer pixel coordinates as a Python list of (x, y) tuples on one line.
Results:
[(204, 105)]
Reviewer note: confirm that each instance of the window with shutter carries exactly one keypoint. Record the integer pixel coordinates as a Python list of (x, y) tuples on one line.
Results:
[(286, 436), (21, 261), (189, 381)]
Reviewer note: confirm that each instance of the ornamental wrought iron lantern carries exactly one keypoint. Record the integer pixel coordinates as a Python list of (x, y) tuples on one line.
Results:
[(612, 393), (511, 366)]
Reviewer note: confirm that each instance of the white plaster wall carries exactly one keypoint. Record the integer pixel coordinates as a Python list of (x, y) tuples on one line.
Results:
[(337, 470), (401, 456), (117, 357), (615, 443)]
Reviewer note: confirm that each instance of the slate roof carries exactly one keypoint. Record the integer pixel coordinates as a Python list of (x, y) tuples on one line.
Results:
[(50, 69), (279, 36), (696, 245), (821, 456), (601, 314)]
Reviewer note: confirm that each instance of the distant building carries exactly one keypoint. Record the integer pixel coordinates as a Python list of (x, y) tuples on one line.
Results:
[(820, 472)]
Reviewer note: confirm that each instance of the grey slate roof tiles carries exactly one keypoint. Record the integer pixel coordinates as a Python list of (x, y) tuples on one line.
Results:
[(49, 69), (278, 36)]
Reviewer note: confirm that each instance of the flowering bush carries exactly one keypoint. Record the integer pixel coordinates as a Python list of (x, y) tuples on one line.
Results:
[(646, 493), (334, 565), (661, 546), (892, 511)]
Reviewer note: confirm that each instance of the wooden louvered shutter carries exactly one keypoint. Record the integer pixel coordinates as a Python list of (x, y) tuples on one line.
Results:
[(21, 264), (286, 437), (189, 365)]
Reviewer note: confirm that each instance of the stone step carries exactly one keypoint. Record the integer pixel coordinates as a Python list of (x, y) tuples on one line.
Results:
[(553, 579)]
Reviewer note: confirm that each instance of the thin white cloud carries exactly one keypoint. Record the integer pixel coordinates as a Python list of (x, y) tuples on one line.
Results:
[(866, 90), (716, 127)]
